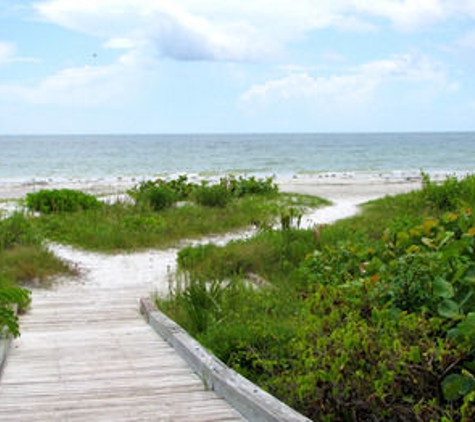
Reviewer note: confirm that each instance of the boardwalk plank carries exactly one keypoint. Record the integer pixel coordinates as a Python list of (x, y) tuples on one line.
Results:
[(86, 354)]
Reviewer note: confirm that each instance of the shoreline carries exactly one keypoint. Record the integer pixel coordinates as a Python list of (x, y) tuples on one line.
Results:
[(361, 187)]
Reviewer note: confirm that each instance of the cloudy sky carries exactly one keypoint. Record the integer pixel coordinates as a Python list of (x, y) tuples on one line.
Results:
[(181, 66)]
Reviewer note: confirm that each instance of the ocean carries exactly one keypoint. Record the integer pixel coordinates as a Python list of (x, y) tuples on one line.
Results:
[(56, 158)]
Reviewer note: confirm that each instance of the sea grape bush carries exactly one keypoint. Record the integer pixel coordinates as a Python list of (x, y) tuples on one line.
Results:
[(161, 194), (241, 186), (349, 360), (156, 195), (377, 322), (14, 231), (61, 200), (12, 298), (426, 270), (451, 194)]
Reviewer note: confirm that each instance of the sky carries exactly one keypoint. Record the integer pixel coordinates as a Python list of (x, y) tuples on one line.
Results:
[(236, 66)]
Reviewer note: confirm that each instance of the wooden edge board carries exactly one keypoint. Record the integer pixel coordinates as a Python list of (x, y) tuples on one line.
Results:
[(248, 399)]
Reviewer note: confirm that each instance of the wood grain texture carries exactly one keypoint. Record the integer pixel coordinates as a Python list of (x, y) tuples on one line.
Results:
[(86, 354)]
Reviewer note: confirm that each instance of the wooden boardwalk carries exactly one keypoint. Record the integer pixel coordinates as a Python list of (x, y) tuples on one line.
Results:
[(86, 354)]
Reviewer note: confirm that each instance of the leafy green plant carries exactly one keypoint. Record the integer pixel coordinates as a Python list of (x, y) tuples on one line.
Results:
[(449, 194), (212, 196), (16, 230), (377, 323), (156, 195), (350, 360), (60, 200), (161, 194), (12, 298), (241, 186)]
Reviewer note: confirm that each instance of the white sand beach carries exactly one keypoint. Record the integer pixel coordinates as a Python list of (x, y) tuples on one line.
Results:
[(346, 194), (352, 189), (334, 186)]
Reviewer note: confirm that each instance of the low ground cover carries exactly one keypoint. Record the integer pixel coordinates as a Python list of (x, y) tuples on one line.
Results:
[(23, 259), (163, 213), (373, 319)]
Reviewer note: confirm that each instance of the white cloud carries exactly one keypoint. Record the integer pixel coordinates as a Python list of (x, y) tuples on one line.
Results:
[(120, 43), (236, 30), (467, 41), (7, 52), (406, 14), (174, 31), (319, 91), (356, 87), (77, 87)]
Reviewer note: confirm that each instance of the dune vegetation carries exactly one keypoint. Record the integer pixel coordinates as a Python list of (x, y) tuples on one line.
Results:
[(371, 318), (154, 214), (158, 214)]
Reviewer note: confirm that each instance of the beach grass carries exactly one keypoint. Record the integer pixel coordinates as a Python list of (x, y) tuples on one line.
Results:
[(23, 256), (160, 216), (374, 319), (24, 261)]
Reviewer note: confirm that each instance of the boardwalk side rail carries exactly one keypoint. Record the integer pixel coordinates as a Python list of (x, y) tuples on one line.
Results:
[(248, 399)]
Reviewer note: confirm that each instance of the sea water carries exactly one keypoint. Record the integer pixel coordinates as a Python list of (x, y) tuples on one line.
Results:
[(108, 157)]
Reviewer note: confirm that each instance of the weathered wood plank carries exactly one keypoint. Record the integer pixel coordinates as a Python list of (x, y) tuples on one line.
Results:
[(86, 354)]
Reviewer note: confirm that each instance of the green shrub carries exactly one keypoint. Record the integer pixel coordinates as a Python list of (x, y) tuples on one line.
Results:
[(155, 195), (425, 269), (160, 194), (160, 198), (212, 196), (378, 323), (174, 190), (16, 230), (450, 194), (11, 296), (60, 200), (182, 188), (350, 360), (249, 186)]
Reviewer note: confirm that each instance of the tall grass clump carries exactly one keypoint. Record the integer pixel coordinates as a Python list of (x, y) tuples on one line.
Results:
[(23, 257), (15, 231), (373, 319), (212, 196), (163, 213)]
